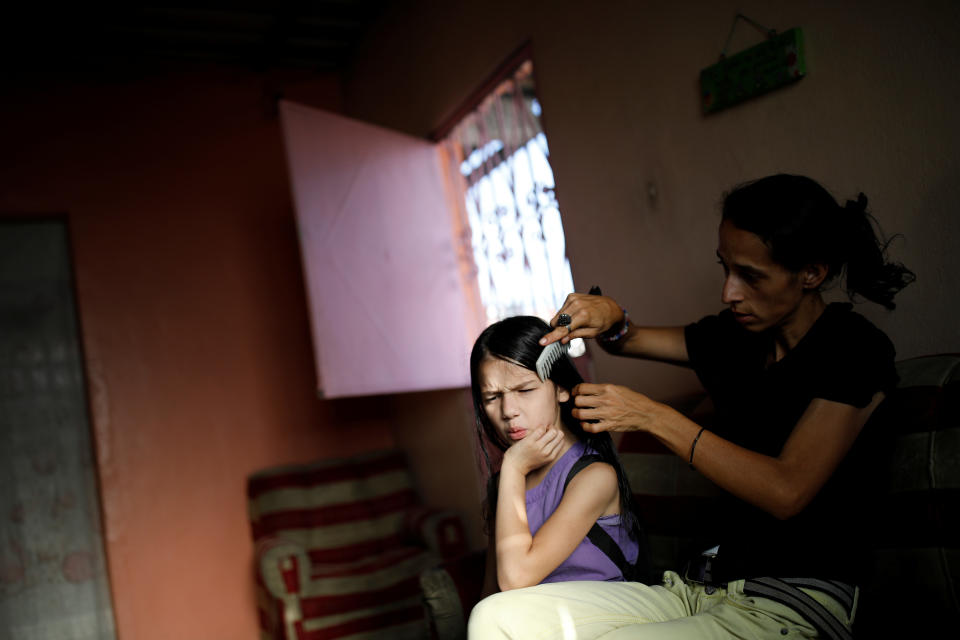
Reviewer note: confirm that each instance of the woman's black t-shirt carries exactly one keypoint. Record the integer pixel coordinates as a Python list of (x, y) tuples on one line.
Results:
[(843, 358)]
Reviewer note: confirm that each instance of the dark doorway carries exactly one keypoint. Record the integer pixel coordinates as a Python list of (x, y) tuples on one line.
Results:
[(53, 578)]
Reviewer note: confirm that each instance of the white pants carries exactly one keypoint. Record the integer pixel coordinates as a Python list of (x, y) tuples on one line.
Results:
[(676, 610)]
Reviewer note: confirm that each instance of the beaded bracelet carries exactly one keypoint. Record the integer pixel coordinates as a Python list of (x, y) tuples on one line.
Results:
[(607, 337)]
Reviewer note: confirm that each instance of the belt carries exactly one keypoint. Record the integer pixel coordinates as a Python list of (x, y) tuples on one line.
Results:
[(703, 569), (787, 591)]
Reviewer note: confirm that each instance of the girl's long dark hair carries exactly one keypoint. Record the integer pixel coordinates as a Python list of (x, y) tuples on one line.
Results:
[(803, 225), (516, 340)]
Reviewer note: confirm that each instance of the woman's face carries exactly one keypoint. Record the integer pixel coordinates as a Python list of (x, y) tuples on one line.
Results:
[(761, 293), (516, 401)]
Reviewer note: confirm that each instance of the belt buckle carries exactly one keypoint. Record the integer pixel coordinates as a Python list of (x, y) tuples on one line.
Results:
[(700, 569)]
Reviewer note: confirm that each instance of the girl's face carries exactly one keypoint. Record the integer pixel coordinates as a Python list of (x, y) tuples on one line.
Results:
[(761, 293), (516, 401)]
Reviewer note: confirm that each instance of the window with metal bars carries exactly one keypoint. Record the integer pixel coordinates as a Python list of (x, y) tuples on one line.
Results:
[(516, 232)]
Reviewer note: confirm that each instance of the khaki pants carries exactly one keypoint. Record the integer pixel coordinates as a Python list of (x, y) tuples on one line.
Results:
[(676, 610)]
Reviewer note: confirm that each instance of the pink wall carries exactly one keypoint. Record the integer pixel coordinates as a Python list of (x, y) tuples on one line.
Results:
[(193, 322)]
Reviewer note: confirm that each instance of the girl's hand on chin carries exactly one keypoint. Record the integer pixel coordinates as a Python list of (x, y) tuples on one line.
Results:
[(540, 447)]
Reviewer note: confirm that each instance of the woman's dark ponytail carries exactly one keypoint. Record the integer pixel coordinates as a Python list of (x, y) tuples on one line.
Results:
[(803, 224), (868, 272)]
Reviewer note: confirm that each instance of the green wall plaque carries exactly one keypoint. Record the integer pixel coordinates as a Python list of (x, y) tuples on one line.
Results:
[(752, 72)]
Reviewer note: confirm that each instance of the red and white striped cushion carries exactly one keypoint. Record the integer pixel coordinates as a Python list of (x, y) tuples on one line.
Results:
[(339, 510), (333, 550)]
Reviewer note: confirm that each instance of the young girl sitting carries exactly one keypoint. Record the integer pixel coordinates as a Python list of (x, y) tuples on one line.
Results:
[(560, 508)]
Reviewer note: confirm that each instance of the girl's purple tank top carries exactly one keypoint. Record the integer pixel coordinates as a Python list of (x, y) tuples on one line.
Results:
[(587, 562)]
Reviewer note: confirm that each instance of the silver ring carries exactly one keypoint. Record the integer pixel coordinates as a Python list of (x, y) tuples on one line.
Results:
[(564, 319)]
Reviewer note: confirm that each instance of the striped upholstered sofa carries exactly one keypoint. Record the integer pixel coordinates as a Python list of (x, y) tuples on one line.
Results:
[(340, 545), (915, 539)]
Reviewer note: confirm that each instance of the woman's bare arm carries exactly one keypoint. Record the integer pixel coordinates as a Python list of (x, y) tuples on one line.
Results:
[(782, 486), (664, 344), (592, 316)]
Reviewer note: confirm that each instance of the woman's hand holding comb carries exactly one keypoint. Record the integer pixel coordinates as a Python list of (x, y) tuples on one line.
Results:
[(590, 316)]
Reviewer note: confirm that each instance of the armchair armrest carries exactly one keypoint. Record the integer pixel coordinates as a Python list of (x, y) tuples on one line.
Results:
[(380, 592), (283, 565), (450, 591), (440, 530)]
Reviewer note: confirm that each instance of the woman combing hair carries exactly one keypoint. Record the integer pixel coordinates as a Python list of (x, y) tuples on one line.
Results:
[(794, 381)]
